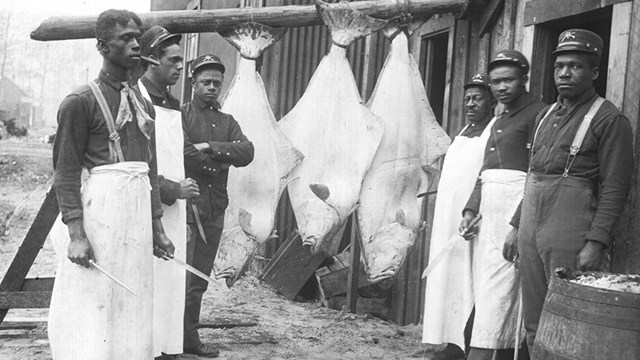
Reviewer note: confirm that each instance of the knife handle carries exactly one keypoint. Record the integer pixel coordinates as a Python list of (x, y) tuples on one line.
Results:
[(473, 223)]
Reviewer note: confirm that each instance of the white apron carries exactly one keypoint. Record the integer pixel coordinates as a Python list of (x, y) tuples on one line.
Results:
[(170, 280), (90, 316), (449, 293), (495, 280)]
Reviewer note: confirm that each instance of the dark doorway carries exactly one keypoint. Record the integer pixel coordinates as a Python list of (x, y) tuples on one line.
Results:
[(433, 68), (542, 83)]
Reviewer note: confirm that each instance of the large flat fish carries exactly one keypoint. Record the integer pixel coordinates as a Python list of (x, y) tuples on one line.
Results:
[(253, 190), (337, 134), (389, 212)]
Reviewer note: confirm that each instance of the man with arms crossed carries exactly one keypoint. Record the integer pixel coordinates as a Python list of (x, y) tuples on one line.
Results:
[(213, 141)]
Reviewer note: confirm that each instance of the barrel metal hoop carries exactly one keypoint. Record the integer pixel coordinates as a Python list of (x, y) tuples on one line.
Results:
[(591, 317)]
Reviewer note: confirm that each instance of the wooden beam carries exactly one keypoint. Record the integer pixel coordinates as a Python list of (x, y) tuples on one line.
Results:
[(187, 21), (28, 251), (24, 300), (490, 15), (541, 11), (618, 55)]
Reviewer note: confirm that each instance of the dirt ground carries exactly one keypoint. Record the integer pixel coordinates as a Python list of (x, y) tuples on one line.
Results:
[(281, 329)]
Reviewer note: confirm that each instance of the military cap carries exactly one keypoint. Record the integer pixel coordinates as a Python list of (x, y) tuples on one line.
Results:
[(206, 61), (512, 57), (579, 40), (154, 37), (480, 80)]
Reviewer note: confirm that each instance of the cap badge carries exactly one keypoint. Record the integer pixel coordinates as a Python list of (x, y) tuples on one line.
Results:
[(208, 58), (568, 35), (501, 55)]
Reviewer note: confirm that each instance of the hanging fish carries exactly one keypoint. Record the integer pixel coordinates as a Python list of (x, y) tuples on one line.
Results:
[(337, 134), (253, 190), (389, 212)]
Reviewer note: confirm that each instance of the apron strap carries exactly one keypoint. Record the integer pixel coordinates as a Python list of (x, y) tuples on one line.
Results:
[(581, 133), (115, 156)]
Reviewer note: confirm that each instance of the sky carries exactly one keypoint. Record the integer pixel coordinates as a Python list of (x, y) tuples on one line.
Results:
[(48, 71), (45, 8)]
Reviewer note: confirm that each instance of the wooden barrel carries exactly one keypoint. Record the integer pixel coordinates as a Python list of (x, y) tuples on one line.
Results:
[(582, 322)]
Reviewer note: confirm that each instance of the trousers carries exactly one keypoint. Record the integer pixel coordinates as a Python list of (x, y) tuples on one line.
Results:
[(557, 213), (200, 256)]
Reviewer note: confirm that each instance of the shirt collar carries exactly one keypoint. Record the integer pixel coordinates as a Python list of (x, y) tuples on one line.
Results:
[(520, 104), (203, 105), (152, 89), (586, 96), (110, 80)]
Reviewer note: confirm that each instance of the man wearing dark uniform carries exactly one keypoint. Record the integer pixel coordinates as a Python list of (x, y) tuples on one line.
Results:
[(572, 198), (497, 194), (213, 142)]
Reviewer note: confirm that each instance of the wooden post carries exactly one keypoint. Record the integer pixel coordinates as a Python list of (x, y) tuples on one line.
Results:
[(15, 290), (199, 21), (354, 266)]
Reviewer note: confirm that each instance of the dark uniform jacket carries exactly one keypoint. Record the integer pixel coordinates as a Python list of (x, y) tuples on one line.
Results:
[(605, 157), (82, 140), (509, 142), (210, 168)]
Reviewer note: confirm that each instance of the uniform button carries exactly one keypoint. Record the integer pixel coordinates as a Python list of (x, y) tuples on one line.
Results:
[(219, 153), (228, 154), (209, 185), (555, 125), (214, 125), (214, 170), (492, 149), (499, 131)]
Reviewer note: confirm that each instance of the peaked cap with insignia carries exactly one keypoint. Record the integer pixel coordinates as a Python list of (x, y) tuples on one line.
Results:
[(579, 40)]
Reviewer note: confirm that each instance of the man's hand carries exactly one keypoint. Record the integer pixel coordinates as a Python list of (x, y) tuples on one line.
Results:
[(590, 257), (464, 224), (79, 250), (161, 243), (510, 248), (203, 146), (188, 189)]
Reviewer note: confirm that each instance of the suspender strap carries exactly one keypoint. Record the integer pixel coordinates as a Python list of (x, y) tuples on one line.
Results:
[(115, 156), (533, 141), (580, 134)]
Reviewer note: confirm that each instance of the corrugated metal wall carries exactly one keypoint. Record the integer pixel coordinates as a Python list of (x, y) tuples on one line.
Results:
[(287, 68)]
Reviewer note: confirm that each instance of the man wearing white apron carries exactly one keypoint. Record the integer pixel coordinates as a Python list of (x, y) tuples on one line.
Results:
[(449, 292), (496, 195), (170, 280), (113, 218)]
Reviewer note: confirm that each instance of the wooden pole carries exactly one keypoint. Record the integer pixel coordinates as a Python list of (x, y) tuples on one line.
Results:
[(354, 267), (199, 21)]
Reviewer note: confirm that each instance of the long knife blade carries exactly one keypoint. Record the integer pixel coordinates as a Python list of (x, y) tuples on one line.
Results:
[(93, 263), (453, 241), (196, 214), (190, 269)]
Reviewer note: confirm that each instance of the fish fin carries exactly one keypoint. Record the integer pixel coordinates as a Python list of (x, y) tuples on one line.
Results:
[(289, 157), (245, 219), (252, 39), (321, 191), (345, 24), (401, 217)]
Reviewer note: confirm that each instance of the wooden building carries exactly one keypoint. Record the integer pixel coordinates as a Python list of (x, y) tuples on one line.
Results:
[(449, 51)]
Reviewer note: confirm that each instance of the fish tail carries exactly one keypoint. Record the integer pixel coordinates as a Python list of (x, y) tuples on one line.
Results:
[(252, 39), (347, 25)]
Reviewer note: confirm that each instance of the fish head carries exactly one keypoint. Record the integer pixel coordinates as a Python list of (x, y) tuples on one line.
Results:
[(317, 221), (236, 249), (387, 251)]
